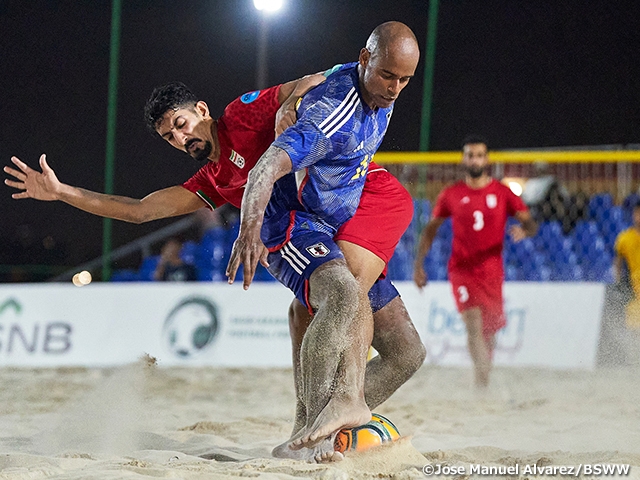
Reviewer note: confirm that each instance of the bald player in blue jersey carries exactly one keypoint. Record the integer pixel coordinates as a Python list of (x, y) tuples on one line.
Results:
[(302, 189)]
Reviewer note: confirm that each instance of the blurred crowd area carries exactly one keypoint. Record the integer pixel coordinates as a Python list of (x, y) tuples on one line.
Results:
[(573, 243), (580, 209)]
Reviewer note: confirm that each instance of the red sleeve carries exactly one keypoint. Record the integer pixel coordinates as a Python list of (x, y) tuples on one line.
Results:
[(255, 110), (514, 203), (202, 185), (441, 209)]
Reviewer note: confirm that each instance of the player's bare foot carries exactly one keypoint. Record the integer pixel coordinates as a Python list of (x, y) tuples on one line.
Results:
[(336, 415), (322, 453), (329, 456)]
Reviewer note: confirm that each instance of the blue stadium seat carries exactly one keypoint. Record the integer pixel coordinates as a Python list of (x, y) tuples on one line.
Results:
[(421, 212), (401, 264), (125, 275), (189, 251), (570, 273), (598, 204), (548, 230), (148, 267), (513, 273)]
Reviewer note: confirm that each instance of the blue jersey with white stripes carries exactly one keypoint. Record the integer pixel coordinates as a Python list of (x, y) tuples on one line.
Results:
[(330, 147)]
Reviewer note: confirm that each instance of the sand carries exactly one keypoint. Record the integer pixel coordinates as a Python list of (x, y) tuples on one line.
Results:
[(196, 423)]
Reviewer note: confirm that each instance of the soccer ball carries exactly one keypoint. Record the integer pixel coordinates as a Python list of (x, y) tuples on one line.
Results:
[(374, 433)]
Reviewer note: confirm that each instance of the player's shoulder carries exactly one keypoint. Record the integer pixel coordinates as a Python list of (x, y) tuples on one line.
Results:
[(455, 188), (499, 186), (265, 99), (341, 84), (626, 235)]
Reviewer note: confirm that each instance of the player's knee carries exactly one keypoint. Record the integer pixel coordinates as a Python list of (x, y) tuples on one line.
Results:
[(412, 352), (299, 318), (403, 348), (473, 322), (335, 287)]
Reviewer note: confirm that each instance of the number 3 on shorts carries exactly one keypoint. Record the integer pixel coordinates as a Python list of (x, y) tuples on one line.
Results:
[(463, 294)]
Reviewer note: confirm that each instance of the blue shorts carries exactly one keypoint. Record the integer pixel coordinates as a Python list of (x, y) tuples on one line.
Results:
[(382, 292), (294, 262)]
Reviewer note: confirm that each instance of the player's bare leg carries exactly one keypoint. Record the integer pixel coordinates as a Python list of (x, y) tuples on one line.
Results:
[(400, 349), (333, 355), (400, 353), (479, 349), (299, 321)]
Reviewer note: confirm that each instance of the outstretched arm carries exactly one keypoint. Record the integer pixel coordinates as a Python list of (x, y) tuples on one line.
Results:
[(527, 228), (289, 95), (248, 249), (426, 240), (45, 185)]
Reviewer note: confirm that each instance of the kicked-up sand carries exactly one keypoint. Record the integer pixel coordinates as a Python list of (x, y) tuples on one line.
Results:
[(216, 423)]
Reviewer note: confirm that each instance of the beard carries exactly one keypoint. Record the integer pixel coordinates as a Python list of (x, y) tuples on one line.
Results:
[(475, 172), (200, 154)]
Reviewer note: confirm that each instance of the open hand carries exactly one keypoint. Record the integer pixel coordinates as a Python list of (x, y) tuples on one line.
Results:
[(517, 233), (248, 249), (39, 185), (286, 115), (420, 276)]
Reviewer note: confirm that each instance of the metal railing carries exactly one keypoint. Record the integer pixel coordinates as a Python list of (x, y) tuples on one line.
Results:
[(143, 244)]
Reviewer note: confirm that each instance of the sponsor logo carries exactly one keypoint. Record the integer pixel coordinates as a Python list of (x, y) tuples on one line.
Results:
[(318, 250), (19, 337), (250, 96), (492, 201), (446, 338), (191, 327), (237, 159), (465, 200)]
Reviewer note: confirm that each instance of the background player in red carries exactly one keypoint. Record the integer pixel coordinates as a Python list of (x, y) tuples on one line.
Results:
[(479, 207)]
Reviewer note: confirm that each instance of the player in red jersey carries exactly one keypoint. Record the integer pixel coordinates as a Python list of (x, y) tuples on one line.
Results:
[(230, 146), (479, 207)]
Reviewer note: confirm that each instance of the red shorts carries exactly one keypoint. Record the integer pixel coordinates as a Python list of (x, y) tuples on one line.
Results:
[(481, 286), (382, 217)]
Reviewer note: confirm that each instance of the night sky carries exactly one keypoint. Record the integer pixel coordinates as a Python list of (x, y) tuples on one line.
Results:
[(523, 73)]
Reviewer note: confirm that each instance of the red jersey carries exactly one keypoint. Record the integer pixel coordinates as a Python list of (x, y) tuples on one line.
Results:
[(479, 218), (245, 131)]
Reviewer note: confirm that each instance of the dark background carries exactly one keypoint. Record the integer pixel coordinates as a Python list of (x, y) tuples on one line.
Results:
[(525, 74)]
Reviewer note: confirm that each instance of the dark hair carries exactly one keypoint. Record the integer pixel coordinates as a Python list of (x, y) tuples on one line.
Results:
[(471, 139), (171, 96)]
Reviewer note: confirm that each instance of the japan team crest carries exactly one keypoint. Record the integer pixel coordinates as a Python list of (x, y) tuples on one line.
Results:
[(318, 250), (492, 201)]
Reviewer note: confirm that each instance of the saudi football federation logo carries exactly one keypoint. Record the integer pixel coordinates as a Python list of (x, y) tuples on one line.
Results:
[(191, 327), (250, 96)]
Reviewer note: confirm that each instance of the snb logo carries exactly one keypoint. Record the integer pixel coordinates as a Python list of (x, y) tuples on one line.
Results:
[(191, 327)]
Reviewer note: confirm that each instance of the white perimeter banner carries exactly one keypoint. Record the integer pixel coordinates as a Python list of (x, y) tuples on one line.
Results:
[(549, 324)]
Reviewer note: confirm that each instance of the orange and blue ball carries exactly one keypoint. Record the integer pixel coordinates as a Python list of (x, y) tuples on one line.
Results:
[(374, 433)]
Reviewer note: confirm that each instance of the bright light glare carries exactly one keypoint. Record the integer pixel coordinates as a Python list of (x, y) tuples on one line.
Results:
[(268, 5), (516, 188), (81, 279)]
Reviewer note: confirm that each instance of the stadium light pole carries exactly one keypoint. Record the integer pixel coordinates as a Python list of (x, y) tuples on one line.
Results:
[(110, 155), (429, 63), (265, 7)]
